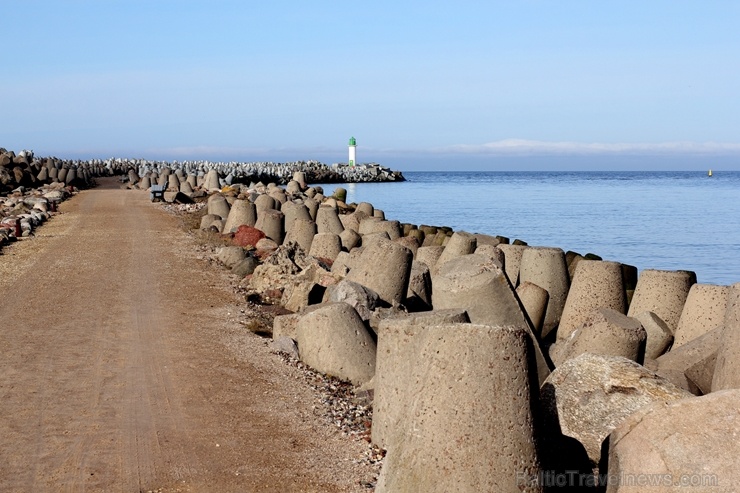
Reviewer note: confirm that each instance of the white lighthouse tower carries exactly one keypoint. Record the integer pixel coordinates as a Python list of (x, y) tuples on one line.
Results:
[(352, 151)]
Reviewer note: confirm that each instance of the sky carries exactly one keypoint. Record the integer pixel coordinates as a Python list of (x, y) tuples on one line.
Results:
[(499, 85)]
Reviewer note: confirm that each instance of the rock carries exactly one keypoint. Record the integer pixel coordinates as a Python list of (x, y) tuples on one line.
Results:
[(457, 436), (245, 267), (285, 345), (690, 440), (231, 255), (247, 236), (588, 396), (207, 220), (359, 297), (333, 340)]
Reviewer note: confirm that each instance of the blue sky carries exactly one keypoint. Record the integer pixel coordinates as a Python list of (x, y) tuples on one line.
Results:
[(421, 85)]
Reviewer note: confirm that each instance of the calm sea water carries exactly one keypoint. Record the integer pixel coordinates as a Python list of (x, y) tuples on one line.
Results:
[(653, 220)]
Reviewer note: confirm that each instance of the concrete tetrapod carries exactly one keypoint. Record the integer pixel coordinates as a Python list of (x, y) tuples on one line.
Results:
[(327, 221), (461, 243), (469, 425), (662, 292), (595, 284), (606, 332), (302, 232), (546, 268), (218, 205), (385, 268), (326, 245), (727, 369), (333, 340), (270, 222), (512, 261), (703, 311), (475, 283), (242, 212), (397, 357)]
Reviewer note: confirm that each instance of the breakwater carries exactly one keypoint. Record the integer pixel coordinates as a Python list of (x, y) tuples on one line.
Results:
[(490, 365)]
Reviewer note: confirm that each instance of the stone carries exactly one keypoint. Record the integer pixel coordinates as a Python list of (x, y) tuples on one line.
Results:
[(231, 255), (546, 268), (364, 300), (385, 268), (246, 235), (691, 440), (301, 293), (659, 337), (595, 284), (663, 293), (589, 395), (333, 340), (285, 345), (606, 332), (245, 267), (468, 424), (703, 311), (727, 369)]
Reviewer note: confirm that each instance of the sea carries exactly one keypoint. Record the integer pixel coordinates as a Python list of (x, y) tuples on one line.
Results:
[(664, 220)]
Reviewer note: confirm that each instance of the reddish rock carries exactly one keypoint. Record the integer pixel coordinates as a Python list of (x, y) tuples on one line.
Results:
[(247, 235)]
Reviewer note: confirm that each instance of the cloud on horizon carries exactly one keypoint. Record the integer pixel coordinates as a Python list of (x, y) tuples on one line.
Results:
[(534, 147)]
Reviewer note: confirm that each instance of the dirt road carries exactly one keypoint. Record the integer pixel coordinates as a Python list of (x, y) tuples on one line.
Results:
[(124, 368)]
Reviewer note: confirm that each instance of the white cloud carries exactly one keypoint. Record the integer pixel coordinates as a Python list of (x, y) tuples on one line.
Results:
[(534, 147)]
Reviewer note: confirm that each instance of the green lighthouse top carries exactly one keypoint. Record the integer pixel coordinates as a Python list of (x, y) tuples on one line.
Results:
[(352, 141)]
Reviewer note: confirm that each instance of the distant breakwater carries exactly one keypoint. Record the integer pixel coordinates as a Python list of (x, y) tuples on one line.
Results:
[(31, 169)]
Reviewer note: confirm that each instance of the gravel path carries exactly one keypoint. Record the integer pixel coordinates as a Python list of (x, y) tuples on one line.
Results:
[(126, 366)]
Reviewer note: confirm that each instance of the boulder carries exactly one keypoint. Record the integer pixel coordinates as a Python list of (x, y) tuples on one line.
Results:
[(690, 444), (364, 300), (586, 397), (231, 255), (246, 235)]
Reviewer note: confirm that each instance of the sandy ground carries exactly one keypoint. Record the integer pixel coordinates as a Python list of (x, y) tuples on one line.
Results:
[(125, 366)]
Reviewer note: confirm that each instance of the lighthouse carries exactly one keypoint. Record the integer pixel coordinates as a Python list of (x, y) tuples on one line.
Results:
[(352, 151)]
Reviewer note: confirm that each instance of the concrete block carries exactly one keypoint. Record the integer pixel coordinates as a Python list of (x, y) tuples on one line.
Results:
[(546, 268)]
